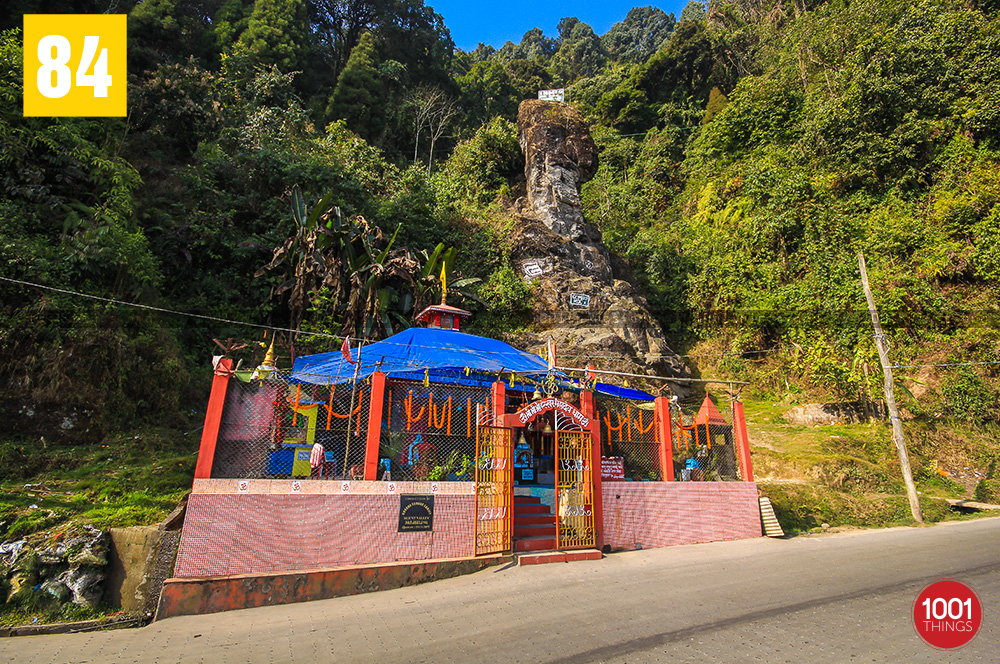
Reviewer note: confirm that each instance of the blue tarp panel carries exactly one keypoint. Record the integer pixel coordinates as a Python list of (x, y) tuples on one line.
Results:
[(623, 392), (415, 350)]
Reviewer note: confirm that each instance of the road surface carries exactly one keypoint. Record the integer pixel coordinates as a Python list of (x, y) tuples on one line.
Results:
[(834, 598)]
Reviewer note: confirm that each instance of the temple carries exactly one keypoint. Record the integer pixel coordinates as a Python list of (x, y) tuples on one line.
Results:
[(437, 444)]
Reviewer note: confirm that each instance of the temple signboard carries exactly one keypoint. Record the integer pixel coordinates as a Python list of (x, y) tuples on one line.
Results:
[(536, 408), (558, 94), (416, 514)]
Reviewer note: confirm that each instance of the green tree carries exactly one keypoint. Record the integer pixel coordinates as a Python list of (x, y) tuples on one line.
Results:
[(277, 34), (230, 22), (480, 169), (643, 32), (580, 53), (486, 91), (358, 95), (166, 32), (534, 45), (694, 11)]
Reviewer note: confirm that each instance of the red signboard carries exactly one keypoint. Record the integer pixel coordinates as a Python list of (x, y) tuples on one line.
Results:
[(612, 468), (532, 410)]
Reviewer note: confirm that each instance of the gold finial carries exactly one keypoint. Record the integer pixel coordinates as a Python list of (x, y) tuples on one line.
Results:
[(444, 285)]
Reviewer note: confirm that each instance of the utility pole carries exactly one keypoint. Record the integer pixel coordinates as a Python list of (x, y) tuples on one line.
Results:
[(890, 396)]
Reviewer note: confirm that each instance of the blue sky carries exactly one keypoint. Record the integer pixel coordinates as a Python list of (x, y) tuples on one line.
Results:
[(495, 22)]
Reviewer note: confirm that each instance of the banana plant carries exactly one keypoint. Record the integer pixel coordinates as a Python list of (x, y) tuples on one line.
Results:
[(372, 287)]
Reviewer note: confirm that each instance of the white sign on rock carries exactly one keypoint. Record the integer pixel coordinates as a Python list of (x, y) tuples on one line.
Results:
[(558, 94), (579, 300), (532, 269)]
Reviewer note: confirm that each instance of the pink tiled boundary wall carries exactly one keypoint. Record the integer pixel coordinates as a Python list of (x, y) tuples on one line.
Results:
[(655, 514), (270, 526)]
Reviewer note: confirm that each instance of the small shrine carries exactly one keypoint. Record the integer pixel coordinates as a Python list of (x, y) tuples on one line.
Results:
[(443, 316), (439, 444)]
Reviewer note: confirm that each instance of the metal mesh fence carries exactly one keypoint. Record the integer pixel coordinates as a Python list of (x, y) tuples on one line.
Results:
[(704, 444), (429, 432), (628, 432), (269, 428)]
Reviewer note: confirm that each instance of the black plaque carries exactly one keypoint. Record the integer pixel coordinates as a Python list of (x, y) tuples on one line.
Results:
[(416, 514)]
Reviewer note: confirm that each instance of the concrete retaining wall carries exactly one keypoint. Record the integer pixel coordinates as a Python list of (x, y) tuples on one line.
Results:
[(264, 526), (195, 596), (654, 514)]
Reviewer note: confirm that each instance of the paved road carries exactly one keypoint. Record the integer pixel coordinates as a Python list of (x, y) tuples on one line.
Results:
[(835, 598)]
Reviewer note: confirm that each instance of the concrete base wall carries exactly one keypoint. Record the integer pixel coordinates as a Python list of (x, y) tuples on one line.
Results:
[(655, 514), (131, 549), (195, 596), (267, 527)]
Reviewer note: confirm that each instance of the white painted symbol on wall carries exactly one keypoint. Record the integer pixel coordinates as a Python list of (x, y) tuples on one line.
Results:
[(296, 486), (243, 486)]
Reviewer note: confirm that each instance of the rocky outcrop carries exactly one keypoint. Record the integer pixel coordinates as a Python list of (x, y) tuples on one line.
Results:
[(815, 414), (559, 155), (71, 569), (586, 301)]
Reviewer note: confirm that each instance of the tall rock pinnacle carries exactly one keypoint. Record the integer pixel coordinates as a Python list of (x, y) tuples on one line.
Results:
[(586, 305)]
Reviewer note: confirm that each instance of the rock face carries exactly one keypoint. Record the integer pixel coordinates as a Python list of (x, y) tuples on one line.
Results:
[(70, 570), (586, 301), (815, 414)]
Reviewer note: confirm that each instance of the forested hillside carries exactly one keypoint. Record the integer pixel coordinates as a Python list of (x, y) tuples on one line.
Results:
[(748, 151)]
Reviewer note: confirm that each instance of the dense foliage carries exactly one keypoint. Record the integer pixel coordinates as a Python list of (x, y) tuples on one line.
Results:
[(748, 152)]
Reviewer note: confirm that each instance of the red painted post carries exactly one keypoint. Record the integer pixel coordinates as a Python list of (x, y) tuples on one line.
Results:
[(213, 419), (743, 441), (662, 406), (588, 406), (499, 395), (374, 440)]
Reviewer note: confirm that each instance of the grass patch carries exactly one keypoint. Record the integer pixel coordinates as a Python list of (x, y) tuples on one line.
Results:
[(21, 615), (801, 508), (127, 480)]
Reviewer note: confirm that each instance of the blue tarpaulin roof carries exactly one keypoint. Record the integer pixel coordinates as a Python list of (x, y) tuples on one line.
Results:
[(622, 392), (416, 350), (445, 354)]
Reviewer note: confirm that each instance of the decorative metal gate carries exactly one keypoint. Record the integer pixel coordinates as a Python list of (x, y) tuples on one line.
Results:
[(574, 490), (494, 490)]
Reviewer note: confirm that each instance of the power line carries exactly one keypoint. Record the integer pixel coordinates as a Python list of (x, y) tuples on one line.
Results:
[(949, 364), (165, 311), (64, 291), (272, 328), (666, 378), (612, 356)]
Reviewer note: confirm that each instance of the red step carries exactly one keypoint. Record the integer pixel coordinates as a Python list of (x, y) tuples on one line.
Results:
[(531, 509), (535, 543), (533, 519), (558, 557), (531, 530), (527, 500)]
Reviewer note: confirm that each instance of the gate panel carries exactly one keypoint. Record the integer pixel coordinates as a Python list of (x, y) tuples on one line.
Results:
[(574, 490), (494, 490)]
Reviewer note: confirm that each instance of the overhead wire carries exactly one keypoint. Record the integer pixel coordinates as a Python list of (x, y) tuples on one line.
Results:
[(273, 328), (148, 307)]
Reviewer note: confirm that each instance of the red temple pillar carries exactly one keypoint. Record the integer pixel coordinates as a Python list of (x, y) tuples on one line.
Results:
[(742, 441), (213, 419), (498, 394), (374, 439), (662, 406), (588, 406)]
